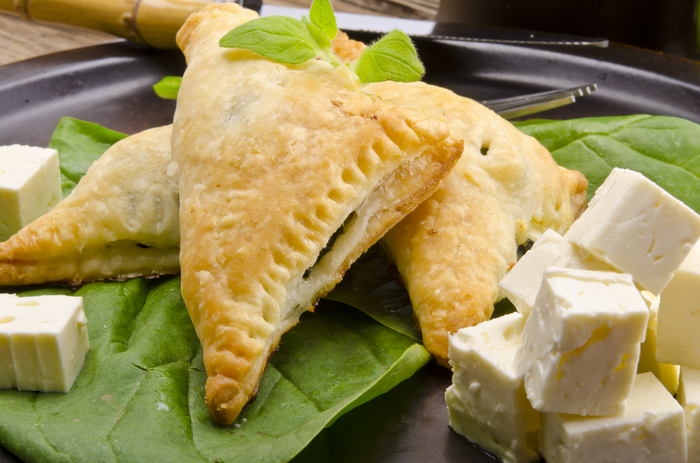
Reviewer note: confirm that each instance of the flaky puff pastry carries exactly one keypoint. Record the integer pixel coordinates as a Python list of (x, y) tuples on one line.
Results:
[(453, 249), (120, 221), (273, 161)]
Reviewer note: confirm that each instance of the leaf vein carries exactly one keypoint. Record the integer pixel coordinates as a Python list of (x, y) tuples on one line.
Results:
[(41, 433)]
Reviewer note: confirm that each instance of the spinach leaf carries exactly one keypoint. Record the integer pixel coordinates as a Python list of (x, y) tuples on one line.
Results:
[(140, 395), (370, 286), (664, 149), (79, 144)]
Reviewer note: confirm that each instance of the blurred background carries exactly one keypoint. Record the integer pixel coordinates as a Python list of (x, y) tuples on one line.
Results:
[(669, 26)]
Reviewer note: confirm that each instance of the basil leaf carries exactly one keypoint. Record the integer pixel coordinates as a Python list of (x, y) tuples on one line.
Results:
[(140, 395), (316, 34), (393, 57), (79, 144), (664, 149), (168, 87), (322, 16), (277, 38)]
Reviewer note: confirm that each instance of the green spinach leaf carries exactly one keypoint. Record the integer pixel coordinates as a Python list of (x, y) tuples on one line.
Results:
[(79, 144), (140, 394), (371, 286), (664, 149)]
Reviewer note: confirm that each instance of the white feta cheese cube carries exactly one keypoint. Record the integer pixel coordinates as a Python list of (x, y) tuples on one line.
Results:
[(651, 430), (523, 281), (678, 330), (486, 401), (30, 186), (689, 398), (580, 344), (635, 226), (665, 372), (43, 342)]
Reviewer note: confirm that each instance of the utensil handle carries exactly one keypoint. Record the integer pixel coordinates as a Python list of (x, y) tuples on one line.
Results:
[(150, 22)]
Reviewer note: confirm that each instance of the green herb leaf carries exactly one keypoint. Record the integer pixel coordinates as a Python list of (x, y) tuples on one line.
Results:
[(140, 396), (278, 38), (168, 87), (393, 57), (664, 149), (322, 16), (316, 34), (370, 287), (79, 144)]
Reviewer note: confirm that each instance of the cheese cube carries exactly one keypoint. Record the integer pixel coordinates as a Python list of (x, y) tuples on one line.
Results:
[(689, 398), (636, 227), (30, 186), (522, 283), (580, 345), (665, 372), (486, 401), (43, 342), (652, 429), (678, 330)]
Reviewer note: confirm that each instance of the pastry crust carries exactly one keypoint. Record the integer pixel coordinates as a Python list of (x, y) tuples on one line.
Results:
[(453, 249), (274, 160), (117, 223), (346, 49)]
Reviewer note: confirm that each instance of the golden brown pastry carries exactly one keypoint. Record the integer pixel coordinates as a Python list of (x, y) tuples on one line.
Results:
[(120, 221), (454, 248), (346, 49), (273, 161)]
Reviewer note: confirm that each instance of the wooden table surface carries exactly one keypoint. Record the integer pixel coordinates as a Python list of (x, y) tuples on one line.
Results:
[(21, 39)]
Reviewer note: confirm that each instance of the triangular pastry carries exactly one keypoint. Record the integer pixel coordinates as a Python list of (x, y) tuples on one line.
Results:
[(274, 160), (454, 248), (120, 221)]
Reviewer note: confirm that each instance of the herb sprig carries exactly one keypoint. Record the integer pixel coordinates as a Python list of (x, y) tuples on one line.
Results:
[(290, 41)]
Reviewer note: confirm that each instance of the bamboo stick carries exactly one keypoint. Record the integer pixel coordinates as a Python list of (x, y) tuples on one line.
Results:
[(155, 22), (151, 22)]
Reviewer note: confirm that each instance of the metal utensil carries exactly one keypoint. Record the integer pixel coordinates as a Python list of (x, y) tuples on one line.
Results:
[(433, 30), (524, 105)]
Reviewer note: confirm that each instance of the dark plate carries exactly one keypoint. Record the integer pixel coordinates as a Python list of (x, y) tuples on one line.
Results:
[(111, 85)]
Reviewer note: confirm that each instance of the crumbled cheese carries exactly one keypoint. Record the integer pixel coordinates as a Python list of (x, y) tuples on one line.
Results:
[(664, 372), (43, 342), (678, 330), (30, 186), (522, 283), (652, 429), (638, 228), (486, 401), (689, 398), (580, 345)]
